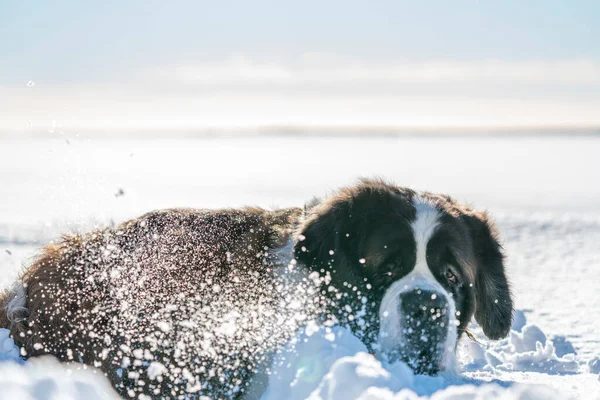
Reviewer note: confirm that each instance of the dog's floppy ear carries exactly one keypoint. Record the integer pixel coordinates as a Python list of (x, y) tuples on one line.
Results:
[(493, 301), (318, 240)]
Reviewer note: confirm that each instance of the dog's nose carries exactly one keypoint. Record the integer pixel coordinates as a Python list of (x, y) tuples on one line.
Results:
[(423, 305), (424, 321)]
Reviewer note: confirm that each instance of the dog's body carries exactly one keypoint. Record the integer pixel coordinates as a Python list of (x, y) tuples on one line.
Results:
[(185, 302)]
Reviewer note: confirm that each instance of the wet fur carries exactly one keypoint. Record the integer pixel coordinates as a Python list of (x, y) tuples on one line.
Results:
[(70, 315)]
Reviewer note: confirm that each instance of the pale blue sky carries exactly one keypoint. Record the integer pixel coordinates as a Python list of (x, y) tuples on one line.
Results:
[(274, 51)]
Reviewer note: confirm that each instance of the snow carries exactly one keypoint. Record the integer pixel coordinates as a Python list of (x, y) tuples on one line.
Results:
[(8, 350), (45, 378), (331, 363), (543, 193), (595, 366), (156, 369)]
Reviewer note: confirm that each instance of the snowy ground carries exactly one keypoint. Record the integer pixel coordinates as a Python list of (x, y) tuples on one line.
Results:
[(544, 194)]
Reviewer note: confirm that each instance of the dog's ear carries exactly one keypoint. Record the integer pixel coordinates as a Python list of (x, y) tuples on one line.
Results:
[(318, 242), (493, 300)]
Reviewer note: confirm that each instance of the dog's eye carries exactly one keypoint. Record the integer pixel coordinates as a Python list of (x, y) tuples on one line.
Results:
[(450, 276)]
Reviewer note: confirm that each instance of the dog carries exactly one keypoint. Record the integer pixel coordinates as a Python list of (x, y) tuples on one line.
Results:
[(182, 303)]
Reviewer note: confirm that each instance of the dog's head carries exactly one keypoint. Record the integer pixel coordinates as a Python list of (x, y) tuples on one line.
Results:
[(406, 271)]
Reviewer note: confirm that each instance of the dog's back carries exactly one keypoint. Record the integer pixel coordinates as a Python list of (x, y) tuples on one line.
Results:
[(163, 304)]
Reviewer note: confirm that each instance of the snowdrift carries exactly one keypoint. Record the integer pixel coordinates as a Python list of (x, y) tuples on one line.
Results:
[(45, 378), (332, 364)]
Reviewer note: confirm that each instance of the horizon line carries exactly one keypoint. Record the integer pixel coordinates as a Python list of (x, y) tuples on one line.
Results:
[(313, 130)]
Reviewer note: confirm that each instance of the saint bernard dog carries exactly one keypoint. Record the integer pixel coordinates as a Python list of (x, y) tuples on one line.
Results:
[(185, 303)]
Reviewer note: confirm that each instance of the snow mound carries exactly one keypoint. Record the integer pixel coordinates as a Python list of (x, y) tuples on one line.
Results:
[(323, 363), (8, 350), (519, 321), (594, 366), (330, 363), (307, 358), (45, 378), (528, 350)]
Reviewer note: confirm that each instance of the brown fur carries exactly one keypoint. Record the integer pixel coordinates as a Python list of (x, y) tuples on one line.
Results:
[(74, 287)]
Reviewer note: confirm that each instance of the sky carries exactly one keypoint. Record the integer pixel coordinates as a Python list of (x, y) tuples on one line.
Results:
[(122, 66)]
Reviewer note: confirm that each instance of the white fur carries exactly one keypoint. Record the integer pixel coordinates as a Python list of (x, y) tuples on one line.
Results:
[(421, 277), (423, 227), (15, 308)]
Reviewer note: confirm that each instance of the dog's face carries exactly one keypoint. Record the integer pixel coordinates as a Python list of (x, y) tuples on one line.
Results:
[(405, 271)]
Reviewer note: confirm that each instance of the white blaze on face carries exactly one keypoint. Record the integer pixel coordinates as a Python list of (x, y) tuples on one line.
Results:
[(421, 277)]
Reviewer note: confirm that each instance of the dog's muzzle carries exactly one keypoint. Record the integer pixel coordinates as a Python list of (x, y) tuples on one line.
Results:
[(424, 319)]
